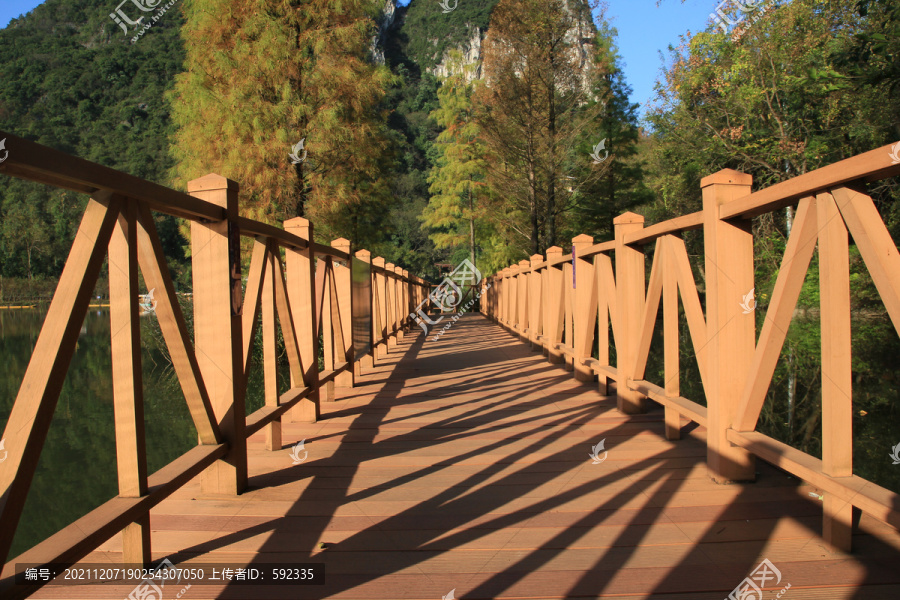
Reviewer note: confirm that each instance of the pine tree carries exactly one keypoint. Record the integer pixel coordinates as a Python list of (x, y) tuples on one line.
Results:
[(458, 181), (617, 181), (262, 75)]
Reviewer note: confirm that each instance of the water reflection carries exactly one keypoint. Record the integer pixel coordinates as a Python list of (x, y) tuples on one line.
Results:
[(77, 468)]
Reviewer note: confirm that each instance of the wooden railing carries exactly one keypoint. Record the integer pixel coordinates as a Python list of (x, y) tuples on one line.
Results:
[(307, 292), (562, 304)]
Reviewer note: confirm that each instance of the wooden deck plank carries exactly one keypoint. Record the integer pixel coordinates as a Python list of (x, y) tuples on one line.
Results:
[(463, 464)]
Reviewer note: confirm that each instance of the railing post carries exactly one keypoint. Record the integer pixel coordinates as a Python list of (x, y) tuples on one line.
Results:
[(345, 305), (495, 297), (837, 377), (400, 306), (367, 362), (671, 346), (512, 316), (128, 396), (555, 308), (301, 288), (585, 319), (406, 304), (605, 287), (630, 278), (379, 315), (503, 314), (522, 299), (216, 260), (325, 322), (390, 306), (731, 335), (535, 304), (270, 355)]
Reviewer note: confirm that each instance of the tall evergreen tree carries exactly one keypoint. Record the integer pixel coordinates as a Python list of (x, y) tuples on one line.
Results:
[(458, 181), (262, 75), (618, 184)]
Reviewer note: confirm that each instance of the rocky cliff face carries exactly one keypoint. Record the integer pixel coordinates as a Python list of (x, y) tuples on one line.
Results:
[(471, 52), (383, 28), (429, 35)]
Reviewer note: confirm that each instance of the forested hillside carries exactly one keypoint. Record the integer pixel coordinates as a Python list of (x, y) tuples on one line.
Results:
[(72, 80)]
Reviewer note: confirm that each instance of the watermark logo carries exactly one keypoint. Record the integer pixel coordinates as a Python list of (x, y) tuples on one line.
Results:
[(445, 4), (123, 20), (895, 455), (4, 453), (120, 18), (3, 147), (295, 452), (749, 302), (751, 587), (295, 155), (596, 153), (449, 294), (148, 588), (595, 453), (449, 596), (147, 302), (894, 154), (747, 6)]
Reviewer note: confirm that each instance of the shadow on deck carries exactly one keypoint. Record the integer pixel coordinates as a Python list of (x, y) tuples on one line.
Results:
[(462, 464)]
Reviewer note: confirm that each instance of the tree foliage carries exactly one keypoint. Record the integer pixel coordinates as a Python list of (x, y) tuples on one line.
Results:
[(534, 108), (458, 187), (795, 88), (261, 76), (72, 80)]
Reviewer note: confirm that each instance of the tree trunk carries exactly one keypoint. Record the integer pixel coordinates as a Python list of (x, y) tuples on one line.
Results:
[(535, 233), (471, 225)]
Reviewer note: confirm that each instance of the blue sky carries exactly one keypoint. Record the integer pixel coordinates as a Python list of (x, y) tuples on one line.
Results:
[(11, 9), (644, 30)]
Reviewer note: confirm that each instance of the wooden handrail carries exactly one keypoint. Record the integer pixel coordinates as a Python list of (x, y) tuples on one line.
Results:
[(873, 165), (566, 311), (286, 292), (35, 162)]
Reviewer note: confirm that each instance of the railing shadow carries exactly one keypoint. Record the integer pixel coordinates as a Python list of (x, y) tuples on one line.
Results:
[(635, 497)]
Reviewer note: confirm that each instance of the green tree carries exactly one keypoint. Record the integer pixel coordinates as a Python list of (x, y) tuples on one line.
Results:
[(458, 180), (72, 80), (616, 184)]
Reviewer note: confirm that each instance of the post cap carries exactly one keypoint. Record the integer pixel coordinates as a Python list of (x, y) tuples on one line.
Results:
[(212, 182), (583, 239), (296, 222), (727, 177), (628, 217)]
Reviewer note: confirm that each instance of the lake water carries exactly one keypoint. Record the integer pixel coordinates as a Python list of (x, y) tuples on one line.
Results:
[(77, 469)]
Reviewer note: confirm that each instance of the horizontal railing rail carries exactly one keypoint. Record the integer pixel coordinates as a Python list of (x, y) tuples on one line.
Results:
[(295, 283), (566, 304)]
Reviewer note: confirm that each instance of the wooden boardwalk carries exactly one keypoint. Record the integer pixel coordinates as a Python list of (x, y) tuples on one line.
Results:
[(462, 464)]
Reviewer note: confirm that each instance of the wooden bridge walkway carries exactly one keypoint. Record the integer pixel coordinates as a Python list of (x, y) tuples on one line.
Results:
[(459, 468), (463, 464)]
